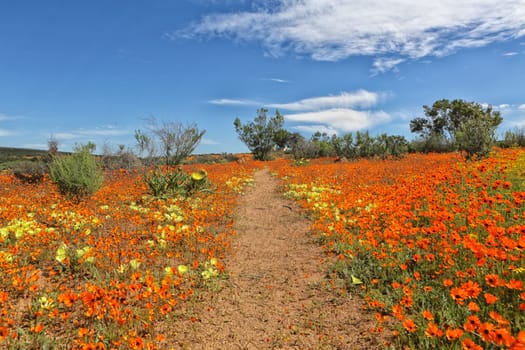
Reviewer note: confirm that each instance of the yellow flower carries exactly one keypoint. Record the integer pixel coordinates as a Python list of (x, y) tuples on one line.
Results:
[(61, 254), (182, 269), (199, 176)]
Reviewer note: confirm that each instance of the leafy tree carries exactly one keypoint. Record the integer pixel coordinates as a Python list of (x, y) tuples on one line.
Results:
[(176, 141), (365, 146), (514, 138), (282, 139), (466, 125), (322, 140), (259, 135)]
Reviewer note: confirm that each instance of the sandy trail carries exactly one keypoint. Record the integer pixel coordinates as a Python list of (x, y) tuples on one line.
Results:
[(277, 296)]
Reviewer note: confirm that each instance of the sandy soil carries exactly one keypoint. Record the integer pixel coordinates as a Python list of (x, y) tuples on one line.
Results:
[(277, 296)]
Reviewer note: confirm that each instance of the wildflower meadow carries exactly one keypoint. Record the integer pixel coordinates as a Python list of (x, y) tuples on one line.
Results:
[(434, 244)]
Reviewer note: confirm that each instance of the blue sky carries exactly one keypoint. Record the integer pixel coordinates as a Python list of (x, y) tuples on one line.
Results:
[(97, 70)]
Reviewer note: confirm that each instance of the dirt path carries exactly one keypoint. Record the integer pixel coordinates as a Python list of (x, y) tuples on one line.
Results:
[(277, 296)]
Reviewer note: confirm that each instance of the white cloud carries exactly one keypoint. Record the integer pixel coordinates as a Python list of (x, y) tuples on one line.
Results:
[(504, 106), (6, 133), (341, 118), (382, 65), (508, 54), (35, 145), (4, 117), (209, 142), (522, 107), (329, 30), (102, 131), (65, 135), (233, 102), (311, 129), (277, 80), (360, 98), (107, 130)]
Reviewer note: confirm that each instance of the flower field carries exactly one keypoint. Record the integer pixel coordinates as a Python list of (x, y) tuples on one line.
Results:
[(434, 244), (114, 270)]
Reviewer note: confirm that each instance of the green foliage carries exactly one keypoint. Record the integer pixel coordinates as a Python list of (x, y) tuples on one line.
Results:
[(458, 123), (79, 174), (362, 145), (121, 159), (476, 137), (176, 141), (514, 138), (260, 135), (30, 171), (432, 143), (168, 182)]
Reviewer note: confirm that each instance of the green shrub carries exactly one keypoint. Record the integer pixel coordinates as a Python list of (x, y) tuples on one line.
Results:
[(77, 175), (476, 137), (167, 183), (514, 138), (30, 171)]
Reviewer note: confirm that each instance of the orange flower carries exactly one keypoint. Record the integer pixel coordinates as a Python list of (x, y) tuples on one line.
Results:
[(502, 336), (453, 333), (471, 288), (427, 315), (3, 332), (469, 344), (515, 284), (136, 343), (485, 331), (82, 332), (490, 298), (459, 295), (448, 283), (472, 306), (498, 318), (472, 323), (433, 330), (409, 325), (493, 280), (37, 328)]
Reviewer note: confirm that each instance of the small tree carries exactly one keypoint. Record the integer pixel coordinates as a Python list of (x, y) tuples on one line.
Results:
[(175, 140), (459, 123), (52, 146), (259, 135)]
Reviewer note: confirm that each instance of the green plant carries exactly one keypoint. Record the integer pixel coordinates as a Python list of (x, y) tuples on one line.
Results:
[(77, 175), (30, 171), (168, 183), (466, 125), (260, 135), (175, 140)]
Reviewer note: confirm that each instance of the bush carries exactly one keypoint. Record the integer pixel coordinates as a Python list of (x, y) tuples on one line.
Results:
[(30, 171), (77, 175), (476, 137), (121, 159), (168, 183), (514, 138)]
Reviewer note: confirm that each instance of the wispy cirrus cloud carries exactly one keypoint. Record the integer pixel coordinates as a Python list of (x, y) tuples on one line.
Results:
[(277, 80), (328, 30), (233, 102), (347, 111), (359, 98), (5, 133), (342, 118)]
